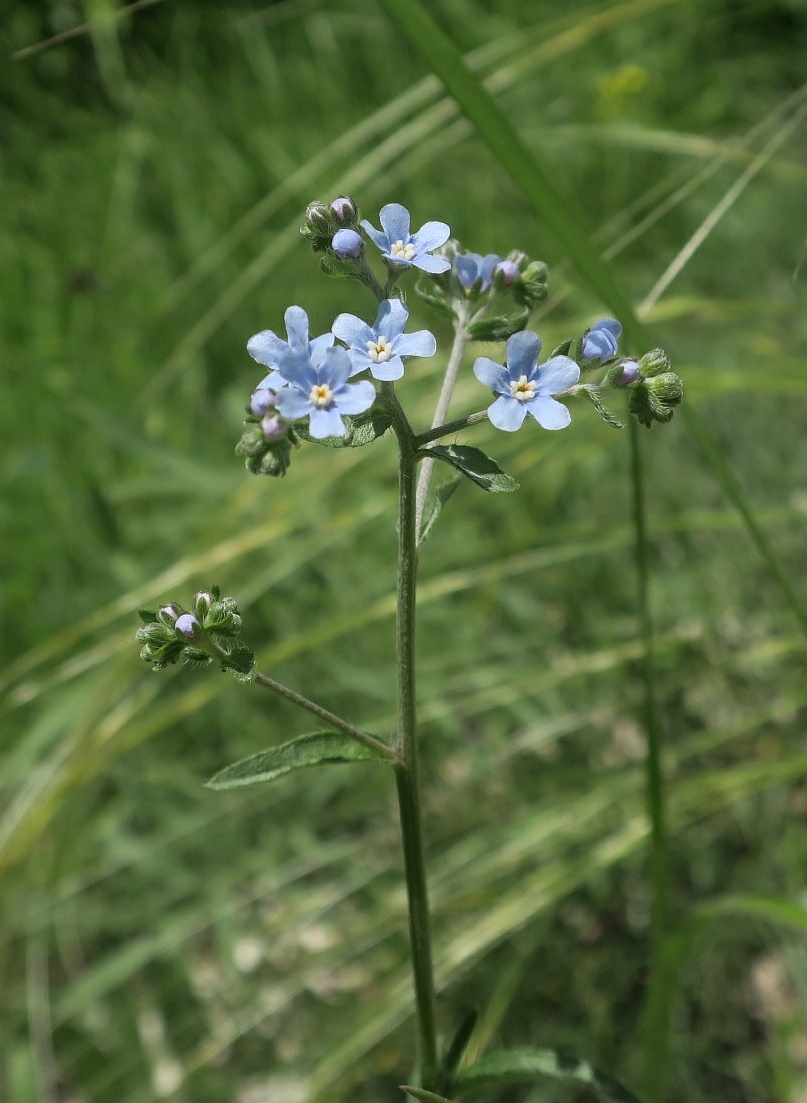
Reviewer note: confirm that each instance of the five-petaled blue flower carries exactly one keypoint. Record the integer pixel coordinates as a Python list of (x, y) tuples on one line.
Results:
[(318, 389), (398, 246), (268, 349), (472, 267), (380, 349), (525, 388), (601, 340)]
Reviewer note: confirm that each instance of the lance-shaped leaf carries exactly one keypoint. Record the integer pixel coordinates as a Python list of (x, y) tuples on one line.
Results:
[(499, 328), (423, 1096), (441, 496), (475, 465), (322, 748), (519, 1066)]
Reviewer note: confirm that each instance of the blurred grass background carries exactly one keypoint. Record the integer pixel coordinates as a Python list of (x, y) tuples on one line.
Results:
[(164, 942)]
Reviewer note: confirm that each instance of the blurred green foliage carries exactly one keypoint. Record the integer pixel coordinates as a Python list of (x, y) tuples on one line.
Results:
[(163, 941)]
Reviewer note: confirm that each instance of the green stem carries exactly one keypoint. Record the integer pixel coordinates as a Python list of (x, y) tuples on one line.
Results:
[(461, 339), (323, 714), (450, 427), (654, 779), (407, 770)]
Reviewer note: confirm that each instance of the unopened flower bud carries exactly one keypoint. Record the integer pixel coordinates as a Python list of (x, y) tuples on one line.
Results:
[(630, 372), (317, 218), (167, 614), (347, 244), (344, 208), (506, 271), (202, 602), (654, 363), (272, 427), (667, 388), (532, 283), (188, 625), (262, 401)]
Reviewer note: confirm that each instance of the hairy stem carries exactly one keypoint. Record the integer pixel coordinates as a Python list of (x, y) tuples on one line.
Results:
[(323, 714), (461, 340), (407, 770)]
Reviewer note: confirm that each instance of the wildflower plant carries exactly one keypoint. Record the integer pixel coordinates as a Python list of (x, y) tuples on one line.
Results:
[(339, 389)]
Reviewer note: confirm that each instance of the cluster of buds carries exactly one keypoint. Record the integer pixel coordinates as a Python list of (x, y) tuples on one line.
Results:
[(333, 227), (655, 391), (493, 295), (267, 440), (208, 632)]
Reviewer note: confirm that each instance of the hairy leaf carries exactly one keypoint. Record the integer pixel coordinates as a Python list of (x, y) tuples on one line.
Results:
[(476, 466), (321, 748)]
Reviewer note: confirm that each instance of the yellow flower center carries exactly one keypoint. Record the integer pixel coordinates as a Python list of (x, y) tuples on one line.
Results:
[(321, 396), (380, 351), (399, 251), (522, 389)]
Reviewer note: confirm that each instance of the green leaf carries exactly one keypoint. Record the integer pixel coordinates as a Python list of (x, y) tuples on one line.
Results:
[(430, 292), (359, 430), (500, 328), (441, 496), (476, 466), (423, 1096), (523, 1065), (146, 615), (322, 748), (459, 1044)]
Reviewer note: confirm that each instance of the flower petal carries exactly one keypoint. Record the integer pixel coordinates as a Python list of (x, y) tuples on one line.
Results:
[(392, 317), (523, 349), (557, 374), (267, 348), (548, 413), (335, 368), (390, 370), (355, 398), (353, 331), (468, 267), (433, 265), (296, 321), (325, 423), (611, 325), (317, 347), (420, 343), (378, 237), (292, 403), (395, 222), (272, 382), (508, 413), (296, 368), (493, 375), (431, 235)]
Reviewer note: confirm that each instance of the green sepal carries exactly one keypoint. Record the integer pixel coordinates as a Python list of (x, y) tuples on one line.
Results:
[(146, 615), (360, 429), (563, 348), (321, 748), (475, 465), (602, 410), (423, 1096), (499, 328), (441, 496), (520, 1066), (241, 663)]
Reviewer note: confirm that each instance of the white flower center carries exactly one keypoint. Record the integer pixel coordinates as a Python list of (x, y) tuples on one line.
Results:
[(380, 350), (399, 251), (321, 396), (522, 389)]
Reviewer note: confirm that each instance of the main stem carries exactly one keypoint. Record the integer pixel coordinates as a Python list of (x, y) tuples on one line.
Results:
[(407, 771)]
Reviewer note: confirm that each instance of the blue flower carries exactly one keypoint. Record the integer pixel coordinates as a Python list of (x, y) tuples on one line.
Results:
[(472, 267), (524, 388), (600, 342), (268, 349), (318, 389), (380, 349), (398, 246)]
